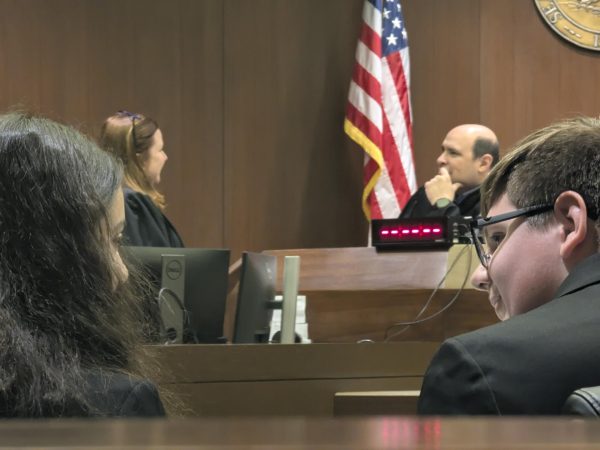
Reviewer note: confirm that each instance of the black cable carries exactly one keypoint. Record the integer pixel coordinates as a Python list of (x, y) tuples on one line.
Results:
[(160, 298), (416, 320)]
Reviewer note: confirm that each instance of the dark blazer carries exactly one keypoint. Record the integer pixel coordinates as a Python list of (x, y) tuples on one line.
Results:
[(145, 224), (102, 394), (465, 204), (122, 396), (528, 364)]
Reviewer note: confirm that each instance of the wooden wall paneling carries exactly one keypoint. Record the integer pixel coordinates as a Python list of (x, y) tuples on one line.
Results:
[(444, 50), (19, 55), (536, 72), (498, 72), (198, 204), (331, 204), (42, 47), (579, 72), (250, 168), (62, 46), (530, 76), (15, 63), (111, 62), (291, 174)]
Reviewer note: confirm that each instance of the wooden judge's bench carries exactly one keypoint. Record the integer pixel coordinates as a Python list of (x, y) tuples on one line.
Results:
[(358, 293), (352, 295)]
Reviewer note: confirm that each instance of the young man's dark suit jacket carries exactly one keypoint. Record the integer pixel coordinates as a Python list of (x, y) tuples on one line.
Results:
[(528, 364), (465, 204), (145, 224)]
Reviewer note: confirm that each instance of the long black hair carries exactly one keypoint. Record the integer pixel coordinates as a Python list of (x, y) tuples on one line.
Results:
[(60, 314)]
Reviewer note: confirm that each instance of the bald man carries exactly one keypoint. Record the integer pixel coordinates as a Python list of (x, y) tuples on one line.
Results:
[(468, 154)]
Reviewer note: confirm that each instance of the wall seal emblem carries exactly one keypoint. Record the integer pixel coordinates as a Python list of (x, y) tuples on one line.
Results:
[(577, 21)]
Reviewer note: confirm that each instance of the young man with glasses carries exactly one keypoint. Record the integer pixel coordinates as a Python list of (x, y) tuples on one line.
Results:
[(539, 252)]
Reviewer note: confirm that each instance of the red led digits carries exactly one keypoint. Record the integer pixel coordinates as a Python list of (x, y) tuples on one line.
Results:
[(411, 232)]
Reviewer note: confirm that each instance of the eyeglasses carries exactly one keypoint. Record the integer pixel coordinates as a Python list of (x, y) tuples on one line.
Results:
[(486, 247), (133, 117)]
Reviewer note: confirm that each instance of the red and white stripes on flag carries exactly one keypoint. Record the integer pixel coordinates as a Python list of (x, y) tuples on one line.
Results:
[(378, 116)]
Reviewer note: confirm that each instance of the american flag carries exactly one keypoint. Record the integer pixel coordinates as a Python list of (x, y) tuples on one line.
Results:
[(379, 116)]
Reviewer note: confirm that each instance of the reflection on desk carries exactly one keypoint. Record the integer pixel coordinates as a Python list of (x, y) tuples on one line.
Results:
[(304, 433)]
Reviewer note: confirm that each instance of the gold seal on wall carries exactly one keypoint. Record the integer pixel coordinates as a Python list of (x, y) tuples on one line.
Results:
[(578, 21)]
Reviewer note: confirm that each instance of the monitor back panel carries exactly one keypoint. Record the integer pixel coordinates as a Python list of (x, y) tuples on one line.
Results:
[(206, 272), (255, 298)]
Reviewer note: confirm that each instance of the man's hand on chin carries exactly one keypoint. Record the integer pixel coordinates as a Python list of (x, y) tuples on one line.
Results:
[(440, 187)]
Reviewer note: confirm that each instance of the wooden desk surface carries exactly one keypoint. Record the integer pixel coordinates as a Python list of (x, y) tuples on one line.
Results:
[(302, 433)]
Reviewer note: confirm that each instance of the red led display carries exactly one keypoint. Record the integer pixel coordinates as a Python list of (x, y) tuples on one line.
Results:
[(411, 232), (414, 233)]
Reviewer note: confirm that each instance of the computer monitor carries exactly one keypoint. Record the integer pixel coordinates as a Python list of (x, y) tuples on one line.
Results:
[(256, 298), (206, 272)]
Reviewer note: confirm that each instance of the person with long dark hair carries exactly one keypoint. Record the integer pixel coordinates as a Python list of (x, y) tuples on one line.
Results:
[(138, 142), (71, 333)]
